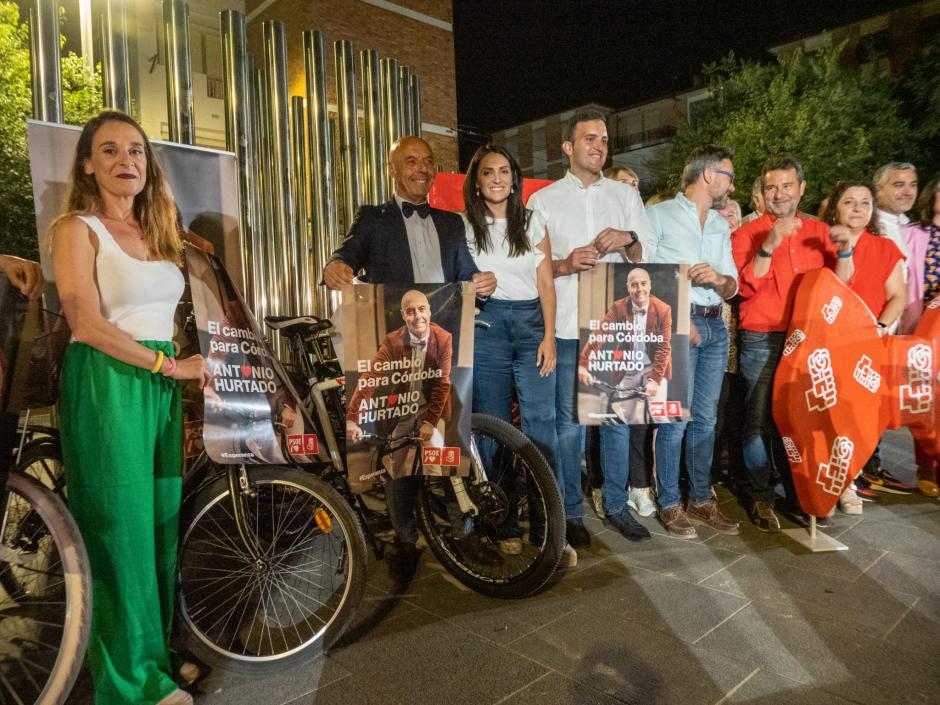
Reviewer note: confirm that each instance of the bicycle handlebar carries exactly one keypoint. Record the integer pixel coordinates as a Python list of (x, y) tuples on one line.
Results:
[(620, 392)]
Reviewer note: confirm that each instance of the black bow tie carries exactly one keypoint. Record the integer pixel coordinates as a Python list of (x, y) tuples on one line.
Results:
[(639, 312), (422, 209), (419, 344)]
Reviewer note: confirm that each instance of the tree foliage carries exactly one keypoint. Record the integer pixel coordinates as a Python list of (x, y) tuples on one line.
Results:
[(82, 99), (840, 123), (919, 92)]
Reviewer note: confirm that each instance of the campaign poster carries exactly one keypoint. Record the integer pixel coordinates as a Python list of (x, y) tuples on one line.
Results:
[(407, 353), (633, 358), (252, 414)]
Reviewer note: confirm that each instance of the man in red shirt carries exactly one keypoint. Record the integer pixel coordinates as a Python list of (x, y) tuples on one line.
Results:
[(772, 253)]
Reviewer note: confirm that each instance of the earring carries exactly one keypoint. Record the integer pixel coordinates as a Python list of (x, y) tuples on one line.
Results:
[(478, 192)]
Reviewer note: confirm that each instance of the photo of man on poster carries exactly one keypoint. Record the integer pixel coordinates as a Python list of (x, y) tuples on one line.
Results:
[(421, 351), (641, 358)]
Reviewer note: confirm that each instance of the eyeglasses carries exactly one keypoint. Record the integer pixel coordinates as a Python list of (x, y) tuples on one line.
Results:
[(729, 174)]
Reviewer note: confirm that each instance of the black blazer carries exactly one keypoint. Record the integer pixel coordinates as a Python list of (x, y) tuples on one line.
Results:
[(377, 246)]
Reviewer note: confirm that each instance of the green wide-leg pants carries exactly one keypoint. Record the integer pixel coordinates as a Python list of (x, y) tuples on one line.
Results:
[(122, 447)]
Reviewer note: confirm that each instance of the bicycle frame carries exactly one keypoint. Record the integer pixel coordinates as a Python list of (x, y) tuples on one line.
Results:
[(477, 470)]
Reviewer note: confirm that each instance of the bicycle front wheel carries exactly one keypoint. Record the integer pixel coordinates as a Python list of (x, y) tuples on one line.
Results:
[(512, 546), (44, 623), (293, 601)]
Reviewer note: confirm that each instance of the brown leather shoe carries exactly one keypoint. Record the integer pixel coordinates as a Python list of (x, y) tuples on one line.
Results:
[(927, 482), (677, 523), (764, 518), (709, 514)]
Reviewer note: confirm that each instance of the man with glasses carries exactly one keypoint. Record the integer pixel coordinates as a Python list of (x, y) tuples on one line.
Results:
[(771, 254), (689, 230)]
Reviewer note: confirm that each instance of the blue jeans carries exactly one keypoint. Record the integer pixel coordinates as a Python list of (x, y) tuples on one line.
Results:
[(707, 362), (570, 432), (758, 357), (504, 359)]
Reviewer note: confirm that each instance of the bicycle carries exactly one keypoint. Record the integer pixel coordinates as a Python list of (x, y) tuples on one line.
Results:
[(488, 530), (45, 605), (620, 401), (272, 561)]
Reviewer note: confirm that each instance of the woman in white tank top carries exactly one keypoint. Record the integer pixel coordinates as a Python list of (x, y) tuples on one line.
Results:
[(116, 256)]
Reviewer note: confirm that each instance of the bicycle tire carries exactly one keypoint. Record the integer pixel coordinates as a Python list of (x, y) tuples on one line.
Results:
[(257, 617), (41, 461), (521, 490), (43, 641)]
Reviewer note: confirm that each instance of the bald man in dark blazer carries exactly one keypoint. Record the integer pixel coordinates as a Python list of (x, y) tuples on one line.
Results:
[(405, 241)]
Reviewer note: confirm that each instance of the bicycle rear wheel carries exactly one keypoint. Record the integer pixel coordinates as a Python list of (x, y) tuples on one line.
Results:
[(42, 461), (512, 547), (43, 624), (292, 603)]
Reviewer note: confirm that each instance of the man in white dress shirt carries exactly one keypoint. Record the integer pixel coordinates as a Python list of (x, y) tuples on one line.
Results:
[(589, 219)]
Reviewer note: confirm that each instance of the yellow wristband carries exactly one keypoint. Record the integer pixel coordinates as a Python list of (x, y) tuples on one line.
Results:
[(159, 362)]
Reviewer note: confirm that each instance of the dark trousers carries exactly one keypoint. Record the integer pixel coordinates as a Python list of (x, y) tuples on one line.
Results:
[(640, 459)]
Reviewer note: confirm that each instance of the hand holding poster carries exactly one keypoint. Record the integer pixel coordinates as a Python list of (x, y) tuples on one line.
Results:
[(634, 352), (408, 357)]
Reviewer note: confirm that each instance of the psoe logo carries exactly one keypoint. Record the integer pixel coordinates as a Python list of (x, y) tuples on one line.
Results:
[(793, 455), (866, 375), (917, 394), (822, 395), (793, 341), (303, 444), (831, 310), (834, 475)]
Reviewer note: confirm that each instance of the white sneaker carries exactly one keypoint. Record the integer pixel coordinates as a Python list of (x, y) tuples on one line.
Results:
[(569, 557), (849, 502), (641, 501)]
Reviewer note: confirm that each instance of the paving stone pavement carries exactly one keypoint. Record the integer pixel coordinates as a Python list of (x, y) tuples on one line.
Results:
[(747, 619)]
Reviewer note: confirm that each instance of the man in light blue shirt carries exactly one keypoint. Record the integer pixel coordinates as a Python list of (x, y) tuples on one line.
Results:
[(689, 230)]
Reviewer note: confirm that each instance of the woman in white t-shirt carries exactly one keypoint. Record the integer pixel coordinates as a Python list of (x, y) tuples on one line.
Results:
[(514, 348)]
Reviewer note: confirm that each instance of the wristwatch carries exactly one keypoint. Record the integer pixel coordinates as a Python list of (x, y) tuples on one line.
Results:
[(764, 253), (634, 240)]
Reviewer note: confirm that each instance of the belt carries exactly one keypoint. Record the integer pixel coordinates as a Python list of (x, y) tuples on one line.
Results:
[(706, 311)]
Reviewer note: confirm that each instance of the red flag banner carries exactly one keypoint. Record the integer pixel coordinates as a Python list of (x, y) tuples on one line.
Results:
[(839, 385), (447, 191)]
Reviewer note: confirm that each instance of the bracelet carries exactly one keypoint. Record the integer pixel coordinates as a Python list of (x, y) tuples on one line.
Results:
[(158, 363), (171, 361), (761, 252), (845, 255)]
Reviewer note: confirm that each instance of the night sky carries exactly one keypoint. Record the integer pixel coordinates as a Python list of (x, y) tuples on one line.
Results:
[(519, 60)]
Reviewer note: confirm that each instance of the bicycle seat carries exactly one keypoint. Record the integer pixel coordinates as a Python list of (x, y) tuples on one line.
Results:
[(297, 325)]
